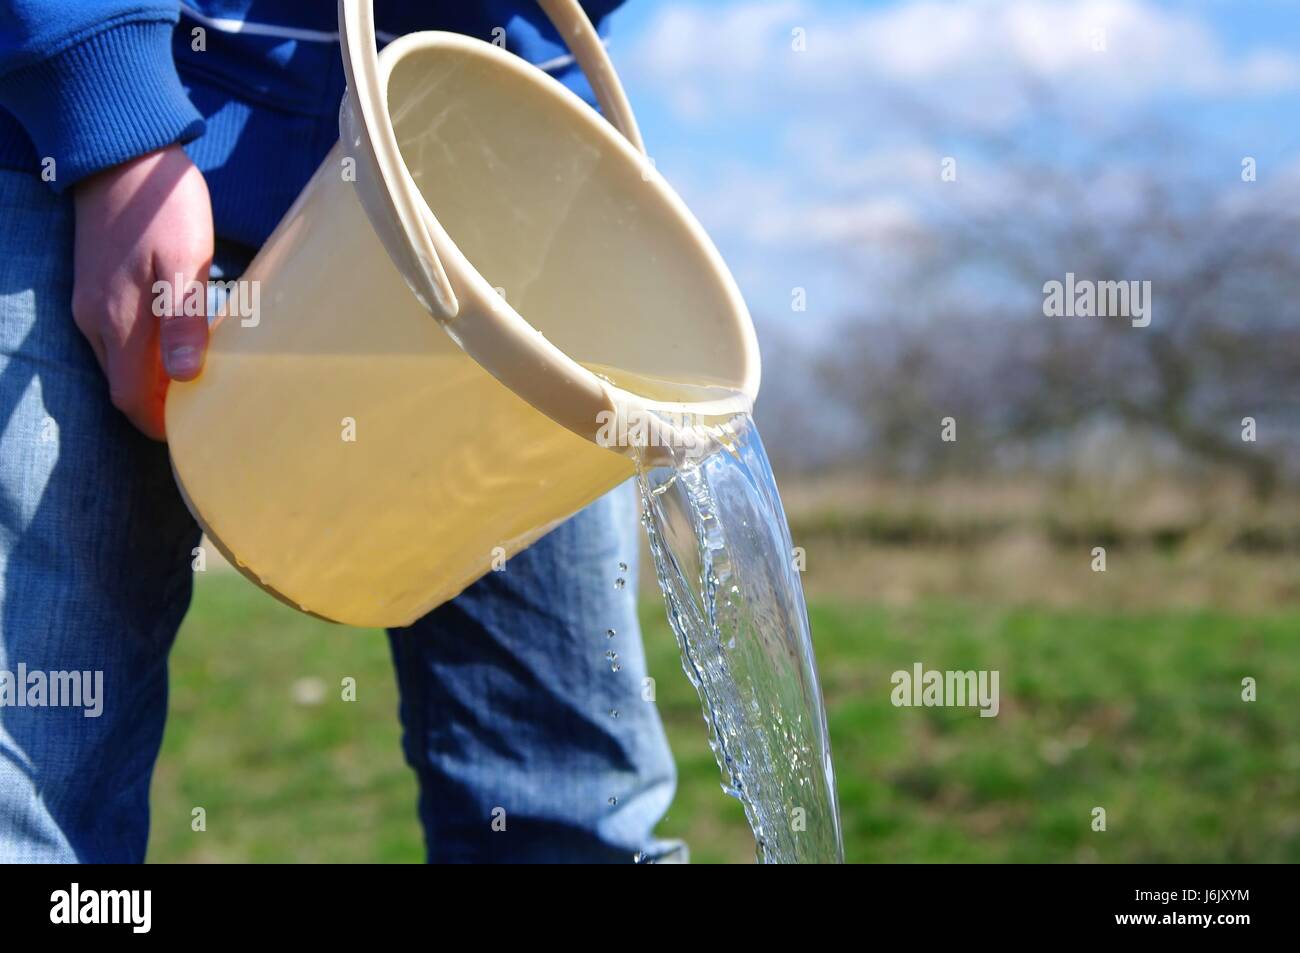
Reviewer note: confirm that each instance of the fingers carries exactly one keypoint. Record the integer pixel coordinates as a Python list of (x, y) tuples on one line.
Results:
[(166, 340), (143, 247), (183, 335), (137, 385), (142, 335)]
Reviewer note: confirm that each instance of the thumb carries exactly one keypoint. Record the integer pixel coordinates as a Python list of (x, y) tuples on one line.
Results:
[(183, 332)]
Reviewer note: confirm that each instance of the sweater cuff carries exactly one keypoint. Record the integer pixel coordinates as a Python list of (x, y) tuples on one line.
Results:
[(109, 98)]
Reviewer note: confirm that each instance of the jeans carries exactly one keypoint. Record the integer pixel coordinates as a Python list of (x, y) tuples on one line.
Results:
[(505, 692)]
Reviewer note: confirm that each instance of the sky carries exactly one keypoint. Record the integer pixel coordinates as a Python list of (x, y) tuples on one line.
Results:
[(806, 135)]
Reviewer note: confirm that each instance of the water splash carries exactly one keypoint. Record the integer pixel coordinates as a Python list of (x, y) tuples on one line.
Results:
[(724, 558)]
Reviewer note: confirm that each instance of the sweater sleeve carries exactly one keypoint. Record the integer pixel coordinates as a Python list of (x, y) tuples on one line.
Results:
[(93, 82)]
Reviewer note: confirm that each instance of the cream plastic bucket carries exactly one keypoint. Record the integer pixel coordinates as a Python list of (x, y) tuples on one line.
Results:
[(364, 461)]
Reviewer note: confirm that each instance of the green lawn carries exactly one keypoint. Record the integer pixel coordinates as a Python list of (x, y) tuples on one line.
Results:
[(1139, 714)]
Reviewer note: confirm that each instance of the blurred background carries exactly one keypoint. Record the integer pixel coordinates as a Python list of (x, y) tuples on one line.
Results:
[(892, 184)]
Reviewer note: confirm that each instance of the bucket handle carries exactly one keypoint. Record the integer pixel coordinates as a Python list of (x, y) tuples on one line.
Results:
[(584, 42), (361, 65)]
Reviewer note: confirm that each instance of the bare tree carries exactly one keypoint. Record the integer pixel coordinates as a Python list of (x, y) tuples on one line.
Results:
[(963, 332)]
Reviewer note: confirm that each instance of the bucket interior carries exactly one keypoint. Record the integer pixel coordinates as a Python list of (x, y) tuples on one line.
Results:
[(549, 209)]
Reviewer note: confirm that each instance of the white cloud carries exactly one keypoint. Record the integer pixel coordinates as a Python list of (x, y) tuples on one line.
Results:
[(832, 166), (981, 52), (773, 213), (680, 35), (879, 219)]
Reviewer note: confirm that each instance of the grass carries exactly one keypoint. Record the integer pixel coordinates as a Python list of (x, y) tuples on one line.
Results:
[(1139, 713)]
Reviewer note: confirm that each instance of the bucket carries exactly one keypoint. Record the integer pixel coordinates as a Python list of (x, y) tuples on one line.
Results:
[(482, 284)]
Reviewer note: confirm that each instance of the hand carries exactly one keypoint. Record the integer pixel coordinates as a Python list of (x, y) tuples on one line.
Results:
[(140, 222)]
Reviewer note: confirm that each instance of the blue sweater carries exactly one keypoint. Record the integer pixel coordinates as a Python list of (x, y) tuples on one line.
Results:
[(251, 87)]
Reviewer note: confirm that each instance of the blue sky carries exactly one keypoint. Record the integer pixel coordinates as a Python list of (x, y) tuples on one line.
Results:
[(810, 167)]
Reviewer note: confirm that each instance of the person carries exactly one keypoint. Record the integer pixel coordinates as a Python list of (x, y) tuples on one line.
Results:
[(142, 139)]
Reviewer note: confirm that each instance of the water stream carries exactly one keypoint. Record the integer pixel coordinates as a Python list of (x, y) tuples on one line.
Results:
[(726, 566)]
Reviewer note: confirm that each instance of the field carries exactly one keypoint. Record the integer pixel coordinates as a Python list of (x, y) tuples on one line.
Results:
[(1120, 690)]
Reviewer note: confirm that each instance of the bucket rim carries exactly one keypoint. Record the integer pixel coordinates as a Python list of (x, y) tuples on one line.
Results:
[(488, 328)]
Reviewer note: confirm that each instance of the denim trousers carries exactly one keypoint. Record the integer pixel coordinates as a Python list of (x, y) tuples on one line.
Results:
[(505, 692)]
